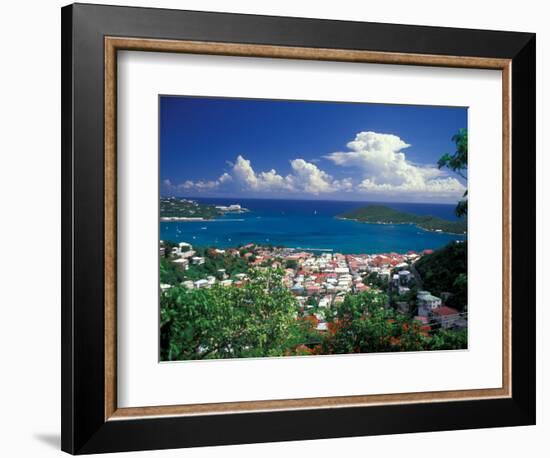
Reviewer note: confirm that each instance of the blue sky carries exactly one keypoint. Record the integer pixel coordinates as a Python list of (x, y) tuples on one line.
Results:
[(223, 147)]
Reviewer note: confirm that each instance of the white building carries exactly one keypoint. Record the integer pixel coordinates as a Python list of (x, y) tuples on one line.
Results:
[(198, 260), (426, 303), (324, 302), (184, 246), (404, 275), (182, 263), (201, 283), (432, 302), (384, 275)]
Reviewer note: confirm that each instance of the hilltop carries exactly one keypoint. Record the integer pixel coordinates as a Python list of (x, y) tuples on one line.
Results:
[(380, 214)]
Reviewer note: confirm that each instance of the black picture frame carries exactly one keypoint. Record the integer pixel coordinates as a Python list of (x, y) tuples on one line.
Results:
[(84, 428)]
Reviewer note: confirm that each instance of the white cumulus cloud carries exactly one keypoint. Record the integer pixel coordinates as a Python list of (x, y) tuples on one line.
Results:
[(199, 185), (310, 178), (384, 171), (246, 178), (387, 171), (305, 177)]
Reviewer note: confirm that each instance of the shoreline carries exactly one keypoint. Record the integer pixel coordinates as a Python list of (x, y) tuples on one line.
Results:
[(191, 219), (436, 231), (168, 219), (314, 251)]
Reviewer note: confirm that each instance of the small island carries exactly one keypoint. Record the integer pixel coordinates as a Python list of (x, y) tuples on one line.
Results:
[(179, 209), (380, 214)]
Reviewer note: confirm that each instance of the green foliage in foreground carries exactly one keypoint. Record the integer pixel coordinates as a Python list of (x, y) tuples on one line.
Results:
[(380, 214), (446, 270), (228, 322), (363, 325), (263, 319)]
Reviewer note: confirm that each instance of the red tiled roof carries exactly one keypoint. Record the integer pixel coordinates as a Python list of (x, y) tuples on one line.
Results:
[(444, 311)]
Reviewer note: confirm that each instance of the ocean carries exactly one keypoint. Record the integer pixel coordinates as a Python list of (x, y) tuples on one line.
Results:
[(310, 225)]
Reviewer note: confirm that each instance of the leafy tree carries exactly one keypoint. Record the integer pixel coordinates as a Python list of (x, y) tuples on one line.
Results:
[(291, 264), (458, 163), (375, 280), (410, 298), (256, 320), (262, 318), (168, 245), (312, 300), (449, 340), (460, 292), (362, 325), (169, 273)]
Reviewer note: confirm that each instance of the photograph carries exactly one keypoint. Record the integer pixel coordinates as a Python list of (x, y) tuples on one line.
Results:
[(303, 228)]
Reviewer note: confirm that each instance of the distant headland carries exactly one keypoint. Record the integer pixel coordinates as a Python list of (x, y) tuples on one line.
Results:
[(380, 214), (179, 209)]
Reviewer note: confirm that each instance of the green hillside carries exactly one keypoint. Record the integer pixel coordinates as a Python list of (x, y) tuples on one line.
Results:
[(446, 270), (173, 207), (380, 214)]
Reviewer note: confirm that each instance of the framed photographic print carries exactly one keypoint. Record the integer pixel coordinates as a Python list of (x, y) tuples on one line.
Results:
[(281, 228)]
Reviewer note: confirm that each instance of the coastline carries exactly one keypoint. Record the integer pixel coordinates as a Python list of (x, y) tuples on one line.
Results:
[(190, 219), (167, 219), (436, 231), (303, 224)]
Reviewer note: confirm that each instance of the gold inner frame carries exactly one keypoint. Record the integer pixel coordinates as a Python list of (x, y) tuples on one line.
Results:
[(114, 44)]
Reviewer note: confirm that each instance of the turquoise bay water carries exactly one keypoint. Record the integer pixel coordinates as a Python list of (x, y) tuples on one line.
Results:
[(310, 225)]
